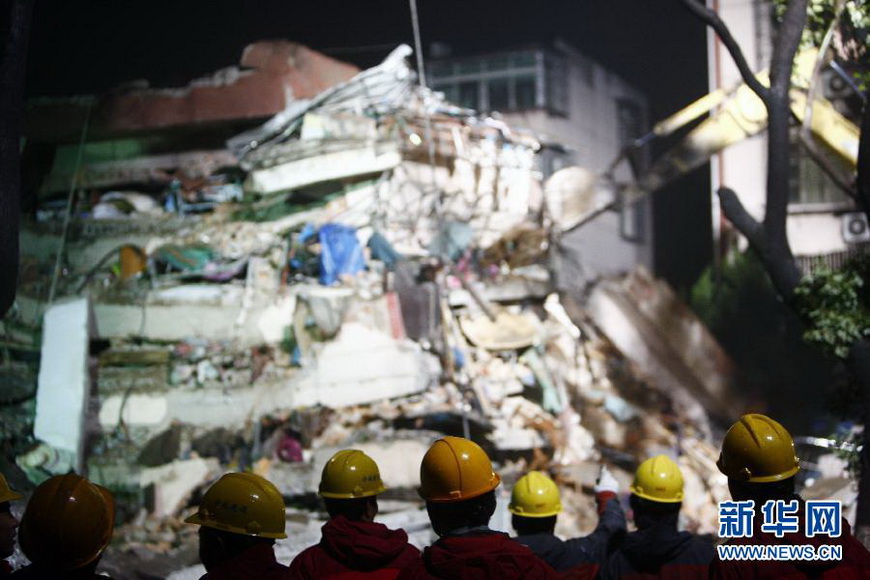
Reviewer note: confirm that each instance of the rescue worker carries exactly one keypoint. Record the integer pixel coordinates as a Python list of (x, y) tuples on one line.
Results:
[(8, 525), (759, 459), (240, 517), (352, 543), (458, 483), (658, 549), (535, 505), (66, 525)]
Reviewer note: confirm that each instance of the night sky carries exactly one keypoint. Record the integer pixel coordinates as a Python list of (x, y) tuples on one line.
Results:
[(87, 46)]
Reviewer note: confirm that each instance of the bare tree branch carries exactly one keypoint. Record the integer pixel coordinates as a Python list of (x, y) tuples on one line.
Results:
[(747, 225), (783, 273), (712, 19)]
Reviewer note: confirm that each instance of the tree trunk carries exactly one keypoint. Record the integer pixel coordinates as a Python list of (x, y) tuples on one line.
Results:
[(863, 181), (859, 354), (859, 365), (14, 27)]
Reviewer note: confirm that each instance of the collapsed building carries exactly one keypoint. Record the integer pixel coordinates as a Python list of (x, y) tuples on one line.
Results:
[(360, 263)]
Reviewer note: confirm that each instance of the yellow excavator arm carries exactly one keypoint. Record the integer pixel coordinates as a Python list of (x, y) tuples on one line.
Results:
[(575, 195), (737, 114)]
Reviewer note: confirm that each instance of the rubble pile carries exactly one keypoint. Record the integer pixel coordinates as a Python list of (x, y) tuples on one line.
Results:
[(376, 277)]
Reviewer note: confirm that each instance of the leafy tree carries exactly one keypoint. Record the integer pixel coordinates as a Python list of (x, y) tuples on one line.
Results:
[(802, 21)]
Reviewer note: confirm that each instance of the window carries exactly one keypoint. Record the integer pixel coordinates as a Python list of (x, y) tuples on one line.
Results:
[(808, 183), (499, 94), (630, 126), (525, 92), (467, 95), (513, 81)]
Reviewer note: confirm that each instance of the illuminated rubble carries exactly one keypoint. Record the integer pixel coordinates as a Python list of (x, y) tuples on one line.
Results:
[(215, 344)]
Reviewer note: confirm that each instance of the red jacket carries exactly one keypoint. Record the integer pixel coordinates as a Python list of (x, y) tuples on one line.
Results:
[(855, 562), (354, 551), (34, 573), (478, 556), (255, 563)]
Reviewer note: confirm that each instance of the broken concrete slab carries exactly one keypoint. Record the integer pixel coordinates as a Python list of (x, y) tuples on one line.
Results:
[(144, 410), (363, 365), (647, 322), (64, 382), (175, 482), (329, 166)]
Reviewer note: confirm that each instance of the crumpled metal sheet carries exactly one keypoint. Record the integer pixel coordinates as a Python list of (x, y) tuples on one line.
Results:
[(377, 90)]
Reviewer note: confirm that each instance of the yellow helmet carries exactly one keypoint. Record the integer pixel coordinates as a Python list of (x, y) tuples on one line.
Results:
[(759, 450), (350, 473), (67, 523), (7, 494), (658, 479), (242, 503), (535, 496), (456, 469)]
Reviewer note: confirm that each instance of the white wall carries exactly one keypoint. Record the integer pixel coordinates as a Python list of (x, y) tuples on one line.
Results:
[(591, 131), (742, 167)]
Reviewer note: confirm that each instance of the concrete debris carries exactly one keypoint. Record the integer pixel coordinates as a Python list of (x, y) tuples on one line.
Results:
[(172, 484), (237, 342)]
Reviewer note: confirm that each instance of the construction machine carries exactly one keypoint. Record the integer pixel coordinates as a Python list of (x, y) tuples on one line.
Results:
[(576, 195)]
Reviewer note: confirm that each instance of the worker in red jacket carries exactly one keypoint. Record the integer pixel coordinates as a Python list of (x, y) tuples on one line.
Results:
[(240, 517), (8, 524), (658, 549), (353, 545), (759, 459), (458, 483)]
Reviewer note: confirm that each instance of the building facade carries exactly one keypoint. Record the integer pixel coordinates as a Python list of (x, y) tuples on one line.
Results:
[(823, 223), (585, 115)]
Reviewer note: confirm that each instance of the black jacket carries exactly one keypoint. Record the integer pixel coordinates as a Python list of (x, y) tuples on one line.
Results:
[(660, 551), (591, 549)]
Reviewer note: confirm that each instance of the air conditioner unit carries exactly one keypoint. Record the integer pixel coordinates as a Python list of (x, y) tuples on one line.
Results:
[(856, 230), (835, 87)]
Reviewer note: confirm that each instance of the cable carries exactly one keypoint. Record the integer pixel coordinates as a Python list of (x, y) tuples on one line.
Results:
[(69, 204), (415, 22)]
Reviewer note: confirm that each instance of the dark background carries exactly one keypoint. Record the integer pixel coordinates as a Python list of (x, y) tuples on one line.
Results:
[(83, 46)]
